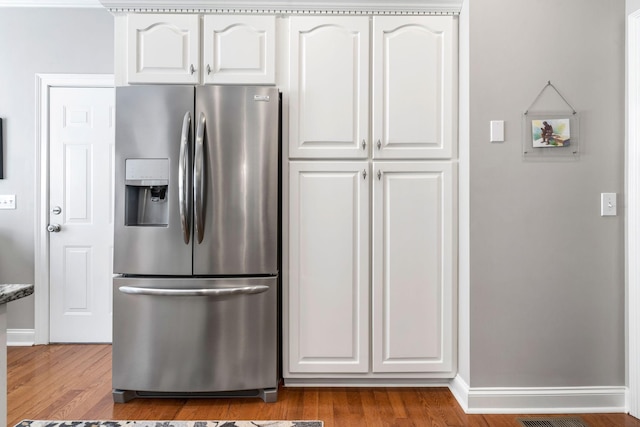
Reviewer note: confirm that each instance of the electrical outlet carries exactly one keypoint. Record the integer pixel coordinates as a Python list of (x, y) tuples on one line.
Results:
[(7, 201)]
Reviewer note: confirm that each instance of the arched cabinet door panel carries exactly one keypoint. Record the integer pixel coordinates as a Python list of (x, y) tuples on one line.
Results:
[(413, 92), (163, 48), (239, 49), (329, 95)]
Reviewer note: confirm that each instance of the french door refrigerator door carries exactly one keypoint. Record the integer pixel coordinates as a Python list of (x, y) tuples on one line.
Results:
[(152, 180), (236, 181), (194, 335)]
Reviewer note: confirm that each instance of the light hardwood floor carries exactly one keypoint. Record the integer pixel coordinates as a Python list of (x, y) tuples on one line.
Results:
[(73, 382)]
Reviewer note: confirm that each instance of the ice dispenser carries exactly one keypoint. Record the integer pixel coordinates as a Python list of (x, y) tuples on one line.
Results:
[(146, 192)]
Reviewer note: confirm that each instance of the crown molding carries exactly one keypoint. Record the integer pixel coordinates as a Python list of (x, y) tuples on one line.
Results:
[(422, 7), (309, 7), (50, 3)]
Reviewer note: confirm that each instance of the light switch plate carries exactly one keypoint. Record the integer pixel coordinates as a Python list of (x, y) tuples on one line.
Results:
[(7, 201), (608, 205), (496, 129)]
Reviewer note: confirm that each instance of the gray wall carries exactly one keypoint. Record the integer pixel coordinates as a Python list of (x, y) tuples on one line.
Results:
[(546, 271), (37, 40)]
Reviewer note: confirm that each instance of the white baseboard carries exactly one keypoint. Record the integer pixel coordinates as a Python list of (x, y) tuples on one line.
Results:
[(364, 382), (460, 390), (534, 400), (21, 337)]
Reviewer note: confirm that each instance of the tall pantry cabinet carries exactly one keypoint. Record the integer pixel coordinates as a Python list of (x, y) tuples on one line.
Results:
[(371, 198)]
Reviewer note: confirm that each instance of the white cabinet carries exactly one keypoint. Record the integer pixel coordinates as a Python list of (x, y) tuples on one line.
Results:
[(405, 260), (412, 267), (412, 89), (329, 267), (239, 49), (329, 87), (412, 304), (165, 48), (413, 96)]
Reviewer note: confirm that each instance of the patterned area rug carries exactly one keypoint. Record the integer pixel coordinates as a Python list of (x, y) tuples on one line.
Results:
[(48, 423)]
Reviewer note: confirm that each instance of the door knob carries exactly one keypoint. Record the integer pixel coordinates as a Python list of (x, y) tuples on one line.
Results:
[(53, 228)]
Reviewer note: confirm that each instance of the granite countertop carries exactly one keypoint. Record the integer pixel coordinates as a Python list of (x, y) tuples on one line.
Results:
[(14, 292)]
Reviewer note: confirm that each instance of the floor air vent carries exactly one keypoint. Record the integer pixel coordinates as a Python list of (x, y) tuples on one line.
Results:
[(552, 422)]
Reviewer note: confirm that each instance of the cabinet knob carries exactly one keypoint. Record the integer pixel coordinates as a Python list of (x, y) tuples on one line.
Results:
[(208, 69), (379, 175), (364, 174), (192, 69), (379, 144), (364, 144)]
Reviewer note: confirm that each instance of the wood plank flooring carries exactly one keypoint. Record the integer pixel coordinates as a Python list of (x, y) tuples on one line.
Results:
[(67, 382)]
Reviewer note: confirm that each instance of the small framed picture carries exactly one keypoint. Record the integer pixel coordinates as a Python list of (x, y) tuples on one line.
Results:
[(550, 134)]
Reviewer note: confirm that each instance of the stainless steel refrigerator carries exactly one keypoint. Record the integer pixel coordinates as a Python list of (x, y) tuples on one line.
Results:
[(196, 249)]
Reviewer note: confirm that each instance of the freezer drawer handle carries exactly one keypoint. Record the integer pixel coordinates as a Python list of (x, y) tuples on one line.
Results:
[(243, 290)]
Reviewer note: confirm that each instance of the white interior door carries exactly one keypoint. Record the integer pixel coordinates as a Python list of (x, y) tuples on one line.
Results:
[(81, 132)]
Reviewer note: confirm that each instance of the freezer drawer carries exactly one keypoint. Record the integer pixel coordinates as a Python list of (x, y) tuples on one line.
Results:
[(190, 335)]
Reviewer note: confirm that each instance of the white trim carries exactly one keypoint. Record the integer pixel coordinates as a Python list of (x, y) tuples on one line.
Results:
[(632, 217), (41, 284), (21, 337), (535, 400), (365, 382), (288, 7), (464, 217), (50, 3), (460, 390)]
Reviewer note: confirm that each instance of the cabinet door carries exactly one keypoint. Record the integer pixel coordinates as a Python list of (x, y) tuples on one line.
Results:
[(163, 48), (413, 77), (239, 49), (413, 308), (329, 94), (328, 267)]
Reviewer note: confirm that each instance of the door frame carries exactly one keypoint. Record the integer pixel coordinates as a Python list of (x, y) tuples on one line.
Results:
[(632, 217), (44, 82)]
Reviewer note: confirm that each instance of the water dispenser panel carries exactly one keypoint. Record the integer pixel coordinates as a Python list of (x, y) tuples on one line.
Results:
[(146, 192), (147, 171)]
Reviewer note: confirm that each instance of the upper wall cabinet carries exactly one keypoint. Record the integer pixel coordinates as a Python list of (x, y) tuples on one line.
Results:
[(412, 89), (413, 77), (239, 49), (329, 91), (165, 48)]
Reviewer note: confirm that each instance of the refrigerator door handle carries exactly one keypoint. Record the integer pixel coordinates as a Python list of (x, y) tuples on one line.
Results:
[(219, 292), (198, 179), (183, 174)]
